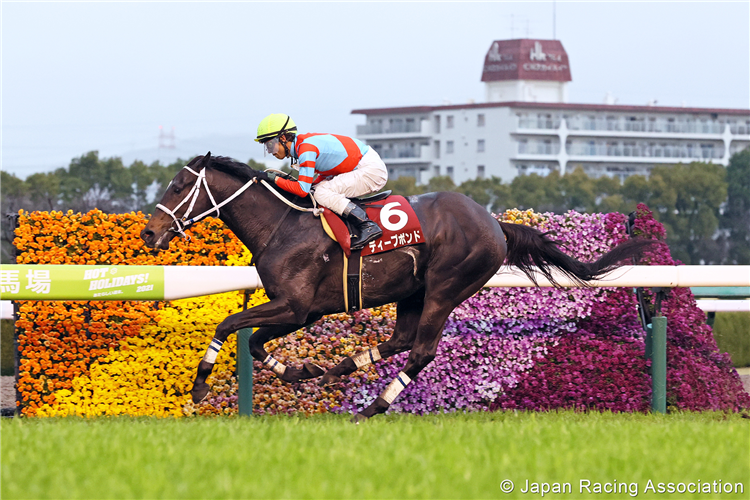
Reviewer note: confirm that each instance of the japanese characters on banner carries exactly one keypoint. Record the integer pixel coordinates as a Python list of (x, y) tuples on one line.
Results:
[(57, 282), (399, 223)]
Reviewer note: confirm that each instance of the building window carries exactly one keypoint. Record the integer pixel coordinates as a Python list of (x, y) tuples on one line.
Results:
[(480, 120), (437, 149), (436, 170), (480, 146), (449, 172), (448, 147), (480, 172), (437, 124), (449, 121)]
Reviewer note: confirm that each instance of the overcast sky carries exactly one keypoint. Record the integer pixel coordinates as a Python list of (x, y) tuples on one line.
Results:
[(103, 76)]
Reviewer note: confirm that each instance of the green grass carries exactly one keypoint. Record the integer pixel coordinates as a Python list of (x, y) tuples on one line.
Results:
[(396, 456), (732, 334)]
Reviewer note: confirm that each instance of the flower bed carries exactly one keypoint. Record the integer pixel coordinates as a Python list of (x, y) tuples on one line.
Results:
[(520, 348)]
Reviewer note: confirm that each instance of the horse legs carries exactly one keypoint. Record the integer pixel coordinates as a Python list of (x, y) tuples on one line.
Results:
[(285, 373), (422, 353), (271, 312), (408, 312)]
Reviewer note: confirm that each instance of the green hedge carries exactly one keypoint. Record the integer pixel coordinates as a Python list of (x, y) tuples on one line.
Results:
[(732, 334), (6, 347)]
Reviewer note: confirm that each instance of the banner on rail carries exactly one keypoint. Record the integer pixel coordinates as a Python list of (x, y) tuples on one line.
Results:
[(56, 282)]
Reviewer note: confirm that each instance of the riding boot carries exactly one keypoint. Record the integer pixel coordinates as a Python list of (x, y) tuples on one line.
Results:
[(365, 229)]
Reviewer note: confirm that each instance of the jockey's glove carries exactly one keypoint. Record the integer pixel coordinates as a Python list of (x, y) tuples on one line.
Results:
[(272, 176)]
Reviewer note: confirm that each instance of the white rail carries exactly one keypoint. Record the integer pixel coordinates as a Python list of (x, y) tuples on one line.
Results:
[(191, 281)]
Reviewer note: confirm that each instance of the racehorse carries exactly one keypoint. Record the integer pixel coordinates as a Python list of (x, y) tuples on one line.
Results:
[(301, 267)]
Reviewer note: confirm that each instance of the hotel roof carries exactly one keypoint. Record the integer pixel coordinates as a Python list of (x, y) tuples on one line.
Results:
[(613, 108)]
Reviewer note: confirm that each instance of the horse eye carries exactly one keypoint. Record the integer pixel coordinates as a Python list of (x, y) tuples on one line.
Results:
[(176, 190)]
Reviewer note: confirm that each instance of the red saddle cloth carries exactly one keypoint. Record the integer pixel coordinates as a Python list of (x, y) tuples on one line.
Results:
[(394, 215)]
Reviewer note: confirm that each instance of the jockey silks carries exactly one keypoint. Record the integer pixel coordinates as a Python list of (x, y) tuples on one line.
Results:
[(325, 154)]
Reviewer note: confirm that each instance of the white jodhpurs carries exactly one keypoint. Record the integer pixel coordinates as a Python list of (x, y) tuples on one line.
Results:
[(370, 176)]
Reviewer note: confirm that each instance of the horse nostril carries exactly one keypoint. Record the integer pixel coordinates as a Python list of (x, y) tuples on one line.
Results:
[(147, 233)]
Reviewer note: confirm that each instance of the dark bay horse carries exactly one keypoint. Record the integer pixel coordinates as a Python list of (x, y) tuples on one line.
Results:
[(301, 267)]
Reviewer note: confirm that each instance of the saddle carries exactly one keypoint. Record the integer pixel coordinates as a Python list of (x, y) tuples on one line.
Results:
[(400, 226), (392, 213)]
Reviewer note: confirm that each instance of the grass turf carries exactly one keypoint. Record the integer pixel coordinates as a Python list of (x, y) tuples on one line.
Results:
[(395, 456), (731, 334)]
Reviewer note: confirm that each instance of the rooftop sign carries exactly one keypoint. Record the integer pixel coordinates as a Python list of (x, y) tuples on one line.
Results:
[(526, 59)]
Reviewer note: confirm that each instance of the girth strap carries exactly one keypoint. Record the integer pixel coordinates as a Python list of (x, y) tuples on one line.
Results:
[(353, 281)]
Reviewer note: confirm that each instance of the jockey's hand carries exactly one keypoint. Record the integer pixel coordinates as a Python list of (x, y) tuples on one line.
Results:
[(272, 176)]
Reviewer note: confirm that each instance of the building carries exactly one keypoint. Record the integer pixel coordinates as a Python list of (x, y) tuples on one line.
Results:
[(526, 125)]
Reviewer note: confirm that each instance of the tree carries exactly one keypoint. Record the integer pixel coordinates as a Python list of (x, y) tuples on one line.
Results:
[(541, 194), (687, 199), (490, 193), (440, 183), (13, 197), (577, 191), (44, 191), (736, 217), (405, 185)]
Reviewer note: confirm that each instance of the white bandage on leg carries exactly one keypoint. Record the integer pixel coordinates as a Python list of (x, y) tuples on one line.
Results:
[(278, 368), (367, 357), (213, 351), (397, 385)]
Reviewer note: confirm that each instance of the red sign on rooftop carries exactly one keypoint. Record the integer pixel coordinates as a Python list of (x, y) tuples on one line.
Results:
[(525, 59)]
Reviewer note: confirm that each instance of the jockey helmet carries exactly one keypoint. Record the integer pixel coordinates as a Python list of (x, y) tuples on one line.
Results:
[(274, 125)]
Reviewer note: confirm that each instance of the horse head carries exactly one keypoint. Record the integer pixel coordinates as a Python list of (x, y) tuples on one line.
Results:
[(186, 199)]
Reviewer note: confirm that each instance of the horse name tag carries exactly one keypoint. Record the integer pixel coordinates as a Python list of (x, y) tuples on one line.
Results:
[(399, 223)]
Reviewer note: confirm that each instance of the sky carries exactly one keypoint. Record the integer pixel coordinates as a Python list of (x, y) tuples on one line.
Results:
[(104, 76)]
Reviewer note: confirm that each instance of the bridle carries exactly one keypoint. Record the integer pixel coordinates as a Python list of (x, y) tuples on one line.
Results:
[(180, 224)]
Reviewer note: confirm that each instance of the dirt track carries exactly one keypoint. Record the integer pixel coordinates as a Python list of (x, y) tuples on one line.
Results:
[(7, 392)]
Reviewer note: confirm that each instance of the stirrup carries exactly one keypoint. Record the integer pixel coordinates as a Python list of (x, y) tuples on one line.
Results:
[(361, 243)]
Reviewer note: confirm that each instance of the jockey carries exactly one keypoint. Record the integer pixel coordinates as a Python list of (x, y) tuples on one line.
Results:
[(345, 168)]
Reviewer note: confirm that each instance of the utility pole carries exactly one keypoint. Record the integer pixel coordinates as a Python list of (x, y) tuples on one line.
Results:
[(554, 19)]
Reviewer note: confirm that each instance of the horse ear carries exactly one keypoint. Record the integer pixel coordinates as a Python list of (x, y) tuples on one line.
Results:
[(207, 158)]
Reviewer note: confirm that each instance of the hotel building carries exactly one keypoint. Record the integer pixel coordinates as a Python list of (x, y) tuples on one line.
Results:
[(526, 125)]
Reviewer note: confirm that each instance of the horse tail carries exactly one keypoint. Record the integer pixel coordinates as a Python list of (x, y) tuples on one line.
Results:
[(530, 249)]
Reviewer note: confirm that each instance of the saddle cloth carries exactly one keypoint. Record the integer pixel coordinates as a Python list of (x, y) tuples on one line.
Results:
[(393, 214)]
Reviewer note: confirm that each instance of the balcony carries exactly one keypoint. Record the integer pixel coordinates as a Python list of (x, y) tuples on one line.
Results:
[(396, 129), (538, 148), (404, 155), (539, 123), (638, 151), (658, 126)]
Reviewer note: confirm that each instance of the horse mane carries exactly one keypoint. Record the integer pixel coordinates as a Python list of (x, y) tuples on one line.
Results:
[(237, 169), (244, 173)]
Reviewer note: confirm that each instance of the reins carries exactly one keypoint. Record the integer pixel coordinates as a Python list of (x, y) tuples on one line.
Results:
[(179, 225)]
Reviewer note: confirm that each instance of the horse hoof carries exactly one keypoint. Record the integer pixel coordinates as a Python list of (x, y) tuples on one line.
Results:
[(358, 418), (329, 379), (291, 375), (312, 370), (199, 392)]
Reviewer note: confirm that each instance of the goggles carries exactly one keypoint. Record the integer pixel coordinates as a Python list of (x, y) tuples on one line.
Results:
[(271, 147)]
